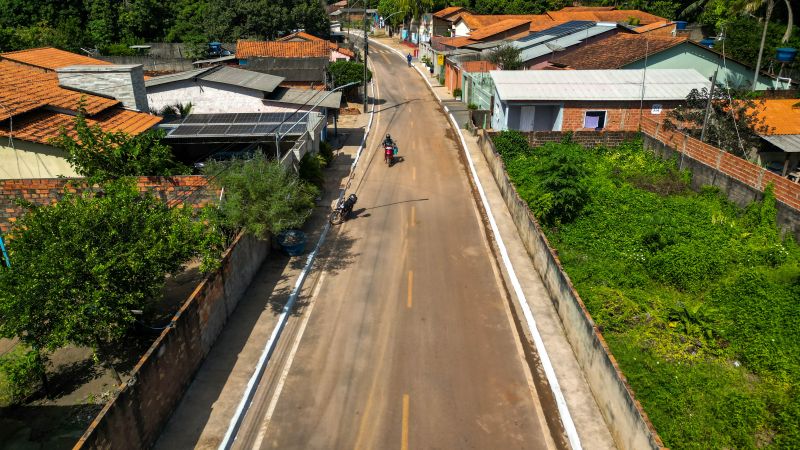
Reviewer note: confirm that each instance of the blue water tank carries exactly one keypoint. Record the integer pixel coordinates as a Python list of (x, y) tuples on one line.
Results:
[(786, 54), (707, 42), (680, 24)]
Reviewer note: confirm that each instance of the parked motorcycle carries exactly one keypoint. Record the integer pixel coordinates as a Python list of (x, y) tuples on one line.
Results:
[(343, 210)]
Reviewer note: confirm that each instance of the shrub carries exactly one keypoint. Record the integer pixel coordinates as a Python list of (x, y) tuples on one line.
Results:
[(511, 143), (22, 373), (326, 150), (311, 169), (472, 106), (457, 92)]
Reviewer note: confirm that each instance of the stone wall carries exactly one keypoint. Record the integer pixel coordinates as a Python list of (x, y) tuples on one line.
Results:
[(624, 416), (140, 408), (190, 189)]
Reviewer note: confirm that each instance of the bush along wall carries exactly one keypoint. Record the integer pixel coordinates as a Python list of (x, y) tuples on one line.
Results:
[(696, 297)]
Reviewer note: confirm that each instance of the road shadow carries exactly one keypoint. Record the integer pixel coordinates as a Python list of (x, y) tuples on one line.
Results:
[(269, 287), (396, 105), (399, 203)]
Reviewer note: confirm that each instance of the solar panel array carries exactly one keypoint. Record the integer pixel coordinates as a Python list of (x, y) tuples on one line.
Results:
[(559, 30), (241, 124)]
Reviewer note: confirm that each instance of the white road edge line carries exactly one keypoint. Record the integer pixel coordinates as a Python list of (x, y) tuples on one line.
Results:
[(269, 348), (289, 360), (566, 417)]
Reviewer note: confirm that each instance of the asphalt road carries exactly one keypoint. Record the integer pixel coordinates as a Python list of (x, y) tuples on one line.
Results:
[(406, 339)]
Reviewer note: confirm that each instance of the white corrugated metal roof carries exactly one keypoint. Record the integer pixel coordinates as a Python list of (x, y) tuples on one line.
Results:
[(787, 142), (614, 85)]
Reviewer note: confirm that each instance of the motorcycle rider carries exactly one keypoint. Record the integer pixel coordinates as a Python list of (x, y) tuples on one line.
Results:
[(388, 140)]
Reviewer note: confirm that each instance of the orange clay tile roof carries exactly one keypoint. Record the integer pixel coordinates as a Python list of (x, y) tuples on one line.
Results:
[(50, 58), (42, 126), (618, 16), (500, 27), (457, 42), (623, 15), (23, 88), (653, 26), (447, 11), (300, 35), (781, 116), (478, 66), (616, 51), (475, 22), (586, 8), (345, 51), (282, 49)]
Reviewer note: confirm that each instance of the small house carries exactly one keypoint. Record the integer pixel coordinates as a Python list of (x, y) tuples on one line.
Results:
[(571, 100)]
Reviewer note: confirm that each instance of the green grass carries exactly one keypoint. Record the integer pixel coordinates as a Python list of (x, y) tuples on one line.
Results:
[(698, 299)]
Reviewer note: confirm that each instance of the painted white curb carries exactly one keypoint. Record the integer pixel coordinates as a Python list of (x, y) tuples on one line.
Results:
[(269, 348), (566, 418)]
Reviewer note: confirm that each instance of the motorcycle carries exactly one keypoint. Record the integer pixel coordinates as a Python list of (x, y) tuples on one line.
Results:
[(343, 210), (388, 154)]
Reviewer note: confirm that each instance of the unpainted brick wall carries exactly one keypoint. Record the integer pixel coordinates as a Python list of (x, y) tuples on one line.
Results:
[(732, 166), (190, 189), (620, 116), (585, 138)]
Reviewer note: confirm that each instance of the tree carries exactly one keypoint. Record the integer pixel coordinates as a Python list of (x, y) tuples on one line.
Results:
[(507, 57), (102, 155), (80, 267), (101, 24), (345, 72), (261, 196), (734, 124), (311, 17)]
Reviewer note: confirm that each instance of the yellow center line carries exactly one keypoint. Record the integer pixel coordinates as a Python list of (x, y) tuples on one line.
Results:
[(404, 437), (413, 216), (414, 174), (410, 287)]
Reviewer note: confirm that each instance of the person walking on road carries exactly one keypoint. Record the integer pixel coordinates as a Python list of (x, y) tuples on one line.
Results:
[(408, 58)]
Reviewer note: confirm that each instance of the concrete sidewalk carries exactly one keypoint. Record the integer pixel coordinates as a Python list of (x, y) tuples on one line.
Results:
[(589, 422), (204, 413)]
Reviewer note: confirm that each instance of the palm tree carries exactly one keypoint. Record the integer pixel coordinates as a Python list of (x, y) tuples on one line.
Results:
[(751, 6)]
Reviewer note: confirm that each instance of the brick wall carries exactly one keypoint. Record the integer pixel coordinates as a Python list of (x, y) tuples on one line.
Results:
[(620, 116), (191, 189), (585, 138), (742, 181)]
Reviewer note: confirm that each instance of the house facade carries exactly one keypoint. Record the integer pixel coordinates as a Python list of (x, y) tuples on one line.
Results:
[(613, 100)]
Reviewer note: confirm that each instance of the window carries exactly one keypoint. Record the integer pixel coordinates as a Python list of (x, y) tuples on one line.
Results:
[(656, 109), (594, 119)]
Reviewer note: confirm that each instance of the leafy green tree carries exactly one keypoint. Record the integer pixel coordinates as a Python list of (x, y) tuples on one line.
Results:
[(261, 196), (311, 17), (734, 124), (101, 155), (387, 8), (101, 24), (82, 266), (344, 72), (507, 57)]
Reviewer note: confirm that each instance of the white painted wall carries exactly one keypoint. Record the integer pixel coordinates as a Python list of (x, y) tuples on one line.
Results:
[(461, 29), (31, 160), (206, 97)]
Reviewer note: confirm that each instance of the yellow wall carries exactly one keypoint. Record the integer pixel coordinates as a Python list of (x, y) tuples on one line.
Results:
[(29, 160)]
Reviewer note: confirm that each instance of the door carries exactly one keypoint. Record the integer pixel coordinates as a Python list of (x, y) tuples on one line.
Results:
[(526, 118)]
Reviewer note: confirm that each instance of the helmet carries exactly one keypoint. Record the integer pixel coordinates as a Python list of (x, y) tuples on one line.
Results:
[(388, 136)]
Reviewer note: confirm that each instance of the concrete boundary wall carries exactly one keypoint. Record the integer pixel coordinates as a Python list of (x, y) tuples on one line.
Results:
[(140, 408), (627, 421)]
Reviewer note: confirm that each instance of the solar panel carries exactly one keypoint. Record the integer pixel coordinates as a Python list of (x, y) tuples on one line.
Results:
[(221, 118), (196, 118), (247, 118), (214, 129), (264, 129), (186, 130), (241, 129), (560, 30)]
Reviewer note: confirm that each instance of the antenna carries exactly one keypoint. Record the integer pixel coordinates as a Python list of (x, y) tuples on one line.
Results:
[(554, 48)]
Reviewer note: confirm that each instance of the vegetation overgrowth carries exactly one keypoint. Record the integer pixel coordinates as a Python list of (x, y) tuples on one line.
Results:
[(697, 298)]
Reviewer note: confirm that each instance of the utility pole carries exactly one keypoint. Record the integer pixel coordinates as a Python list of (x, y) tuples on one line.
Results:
[(708, 106), (366, 55)]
